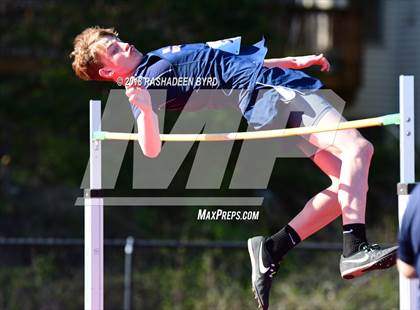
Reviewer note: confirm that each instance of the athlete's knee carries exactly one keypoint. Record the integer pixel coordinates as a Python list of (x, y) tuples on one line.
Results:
[(365, 149), (359, 148)]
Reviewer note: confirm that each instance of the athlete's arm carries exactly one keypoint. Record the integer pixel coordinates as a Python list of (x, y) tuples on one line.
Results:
[(147, 121), (407, 270), (298, 62)]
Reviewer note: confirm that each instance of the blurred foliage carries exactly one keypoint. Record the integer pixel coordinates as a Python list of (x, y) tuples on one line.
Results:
[(188, 280)]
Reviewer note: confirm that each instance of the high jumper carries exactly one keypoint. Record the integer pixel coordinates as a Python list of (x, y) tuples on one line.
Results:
[(99, 54)]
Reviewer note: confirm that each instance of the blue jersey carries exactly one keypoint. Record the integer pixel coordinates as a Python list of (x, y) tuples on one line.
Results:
[(409, 235), (224, 64)]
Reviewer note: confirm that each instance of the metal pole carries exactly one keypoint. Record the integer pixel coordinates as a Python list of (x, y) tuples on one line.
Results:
[(128, 278), (408, 288), (94, 261)]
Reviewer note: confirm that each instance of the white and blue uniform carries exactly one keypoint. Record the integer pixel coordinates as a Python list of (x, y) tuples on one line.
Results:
[(233, 66)]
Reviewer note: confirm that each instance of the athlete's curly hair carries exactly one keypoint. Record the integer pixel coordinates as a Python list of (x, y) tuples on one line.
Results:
[(86, 62)]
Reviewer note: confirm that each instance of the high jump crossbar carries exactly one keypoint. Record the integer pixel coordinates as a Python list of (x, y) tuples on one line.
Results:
[(391, 119), (94, 259)]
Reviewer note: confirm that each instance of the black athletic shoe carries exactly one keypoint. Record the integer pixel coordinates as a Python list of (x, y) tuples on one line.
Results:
[(262, 276), (369, 257)]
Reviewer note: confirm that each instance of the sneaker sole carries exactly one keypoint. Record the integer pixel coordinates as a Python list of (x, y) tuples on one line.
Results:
[(253, 264), (385, 263)]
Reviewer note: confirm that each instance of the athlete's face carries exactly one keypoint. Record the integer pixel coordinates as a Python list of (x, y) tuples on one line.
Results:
[(119, 58)]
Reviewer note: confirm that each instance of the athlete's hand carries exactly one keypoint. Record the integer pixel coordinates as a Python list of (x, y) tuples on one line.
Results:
[(312, 60), (139, 97)]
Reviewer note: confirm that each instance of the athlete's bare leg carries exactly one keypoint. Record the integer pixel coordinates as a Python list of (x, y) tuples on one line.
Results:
[(324, 207)]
